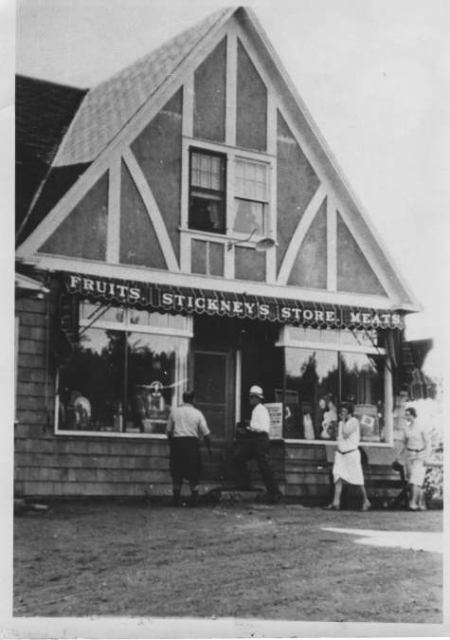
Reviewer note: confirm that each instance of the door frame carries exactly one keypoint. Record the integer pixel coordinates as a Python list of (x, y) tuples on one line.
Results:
[(230, 386), (237, 386)]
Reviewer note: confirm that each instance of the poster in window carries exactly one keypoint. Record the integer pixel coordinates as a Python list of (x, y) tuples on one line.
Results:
[(367, 415), (291, 416), (275, 410)]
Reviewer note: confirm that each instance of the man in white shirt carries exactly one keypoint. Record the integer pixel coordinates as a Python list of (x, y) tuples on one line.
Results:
[(256, 444), (185, 428)]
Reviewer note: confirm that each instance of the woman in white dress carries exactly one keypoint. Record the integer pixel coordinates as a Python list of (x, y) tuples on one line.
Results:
[(347, 462)]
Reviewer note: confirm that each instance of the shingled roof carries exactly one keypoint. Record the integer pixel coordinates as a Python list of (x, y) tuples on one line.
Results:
[(111, 104), (60, 130)]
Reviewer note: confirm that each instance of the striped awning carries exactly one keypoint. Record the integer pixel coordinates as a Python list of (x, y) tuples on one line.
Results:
[(188, 300)]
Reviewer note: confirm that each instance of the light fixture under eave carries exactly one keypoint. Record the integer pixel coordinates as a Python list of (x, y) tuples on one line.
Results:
[(265, 244)]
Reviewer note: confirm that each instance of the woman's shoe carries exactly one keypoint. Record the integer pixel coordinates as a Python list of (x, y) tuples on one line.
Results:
[(332, 507), (366, 507)]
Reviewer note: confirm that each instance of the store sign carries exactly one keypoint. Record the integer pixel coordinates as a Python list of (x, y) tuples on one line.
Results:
[(188, 301)]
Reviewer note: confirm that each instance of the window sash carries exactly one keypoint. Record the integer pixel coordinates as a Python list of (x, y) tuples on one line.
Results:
[(207, 171), (128, 320), (251, 180), (329, 339)]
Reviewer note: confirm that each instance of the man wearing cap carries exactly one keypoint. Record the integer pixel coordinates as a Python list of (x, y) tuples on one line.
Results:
[(256, 444)]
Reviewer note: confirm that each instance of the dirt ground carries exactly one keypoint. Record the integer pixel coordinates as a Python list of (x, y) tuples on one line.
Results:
[(240, 560)]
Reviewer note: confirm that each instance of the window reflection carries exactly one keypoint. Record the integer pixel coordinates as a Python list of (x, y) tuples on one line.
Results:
[(92, 312), (310, 377), (121, 381), (317, 381), (152, 380), (362, 380), (249, 217), (96, 372)]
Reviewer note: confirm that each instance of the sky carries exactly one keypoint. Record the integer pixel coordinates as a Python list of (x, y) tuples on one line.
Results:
[(374, 74)]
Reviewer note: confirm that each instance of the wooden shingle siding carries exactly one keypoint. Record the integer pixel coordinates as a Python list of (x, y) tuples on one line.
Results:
[(30, 317), (50, 465), (35, 384), (94, 476), (85, 489), (307, 473), (33, 334), (36, 418), (56, 465), (70, 461)]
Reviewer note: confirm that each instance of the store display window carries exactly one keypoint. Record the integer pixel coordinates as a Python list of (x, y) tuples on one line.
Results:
[(127, 371), (326, 367)]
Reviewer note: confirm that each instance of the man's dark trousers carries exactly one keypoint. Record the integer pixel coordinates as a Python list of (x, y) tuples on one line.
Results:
[(254, 446)]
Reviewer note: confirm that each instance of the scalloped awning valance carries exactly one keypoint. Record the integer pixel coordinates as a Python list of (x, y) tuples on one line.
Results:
[(187, 300)]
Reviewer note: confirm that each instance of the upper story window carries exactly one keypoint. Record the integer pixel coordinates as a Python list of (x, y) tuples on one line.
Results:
[(229, 191), (251, 196), (207, 192)]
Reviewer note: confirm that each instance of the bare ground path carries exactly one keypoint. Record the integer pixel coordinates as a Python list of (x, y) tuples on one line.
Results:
[(283, 562)]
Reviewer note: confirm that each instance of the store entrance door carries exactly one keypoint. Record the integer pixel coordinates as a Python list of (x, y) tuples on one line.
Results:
[(262, 366), (214, 391)]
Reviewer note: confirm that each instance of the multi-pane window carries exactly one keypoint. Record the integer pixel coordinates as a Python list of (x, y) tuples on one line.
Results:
[(126, 372), (207, 192), (247, 211), (251, 196)]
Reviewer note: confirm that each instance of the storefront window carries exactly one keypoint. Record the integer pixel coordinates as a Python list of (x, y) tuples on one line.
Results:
[(123, 379), (311, 377), (362, 382), (324, 368)]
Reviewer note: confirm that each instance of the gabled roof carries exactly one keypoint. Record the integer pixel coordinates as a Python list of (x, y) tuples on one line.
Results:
[(110, 112), (111, 104)]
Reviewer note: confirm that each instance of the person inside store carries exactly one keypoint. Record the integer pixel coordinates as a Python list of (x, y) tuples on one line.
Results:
[(415, 453), (329, 422), (254, 443), (186, 428), (347, 467)]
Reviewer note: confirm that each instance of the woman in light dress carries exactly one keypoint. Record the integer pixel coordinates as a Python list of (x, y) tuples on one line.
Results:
[(416, 451), (347, 462)]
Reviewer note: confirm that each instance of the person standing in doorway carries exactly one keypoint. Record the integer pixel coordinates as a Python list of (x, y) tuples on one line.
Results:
[(186, 427), (347, 466), (255, 444)]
